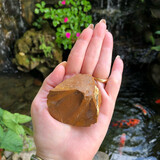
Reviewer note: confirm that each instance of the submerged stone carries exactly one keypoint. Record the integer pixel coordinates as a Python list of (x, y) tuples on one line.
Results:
[(75, 101)]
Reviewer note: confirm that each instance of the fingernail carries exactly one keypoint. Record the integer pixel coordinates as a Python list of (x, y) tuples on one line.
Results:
[(91, 26), (64, 63), (103, 21), (118, 56)]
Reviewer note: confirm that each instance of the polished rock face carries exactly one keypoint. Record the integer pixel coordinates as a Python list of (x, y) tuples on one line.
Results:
[(75, 101)]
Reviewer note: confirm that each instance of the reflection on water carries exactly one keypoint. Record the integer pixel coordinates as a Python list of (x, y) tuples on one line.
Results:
[(17, 91), (142, 140)]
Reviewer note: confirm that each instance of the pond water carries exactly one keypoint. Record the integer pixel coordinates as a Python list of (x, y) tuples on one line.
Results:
[(142, 140), (17, 91)]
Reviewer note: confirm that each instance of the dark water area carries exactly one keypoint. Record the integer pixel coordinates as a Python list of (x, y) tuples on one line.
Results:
[(142, 140), (17, 91)]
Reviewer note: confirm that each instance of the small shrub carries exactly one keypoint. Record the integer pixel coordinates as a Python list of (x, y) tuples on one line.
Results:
[(67, 17), (12, 132)]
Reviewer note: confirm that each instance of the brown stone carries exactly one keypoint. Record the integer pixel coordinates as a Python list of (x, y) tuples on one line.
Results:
[(75, 101)]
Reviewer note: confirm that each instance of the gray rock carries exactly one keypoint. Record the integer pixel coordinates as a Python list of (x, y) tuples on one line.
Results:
[(7, 154), (155, 13), (155, 71), (29, 55), (101, 156), (23, 155), (3, 158)]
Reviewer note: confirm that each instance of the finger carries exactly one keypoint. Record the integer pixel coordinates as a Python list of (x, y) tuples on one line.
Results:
[(76, 57), (94, 48), (103, 66), (52, 80), (114, 81)]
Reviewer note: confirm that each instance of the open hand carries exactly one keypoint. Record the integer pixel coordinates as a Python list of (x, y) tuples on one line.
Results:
[(91, 54)]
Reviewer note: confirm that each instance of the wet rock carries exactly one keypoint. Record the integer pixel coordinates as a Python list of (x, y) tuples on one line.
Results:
[(44, 70), (37, 82), (156, 13), (29, 82), (11, 27), (155, 71), (27, 8), (75, 101), (101, 156), (16, 17), (29, 55), (156, 2)]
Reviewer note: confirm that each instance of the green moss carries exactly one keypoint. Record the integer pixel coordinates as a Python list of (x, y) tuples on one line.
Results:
[(36, 48)]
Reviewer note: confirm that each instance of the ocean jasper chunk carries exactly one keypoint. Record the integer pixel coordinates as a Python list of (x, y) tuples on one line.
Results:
[(75, 101)]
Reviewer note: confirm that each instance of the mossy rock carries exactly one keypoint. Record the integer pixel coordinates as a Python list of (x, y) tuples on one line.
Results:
[(28, 53)]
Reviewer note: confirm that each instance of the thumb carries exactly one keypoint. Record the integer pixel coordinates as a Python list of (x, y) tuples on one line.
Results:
[(52, 80)]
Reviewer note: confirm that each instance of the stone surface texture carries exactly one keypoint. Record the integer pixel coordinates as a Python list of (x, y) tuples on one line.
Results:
[(101, 156), (75, 101)]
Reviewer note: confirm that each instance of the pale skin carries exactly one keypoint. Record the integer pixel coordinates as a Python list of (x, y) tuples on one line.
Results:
[(91, 54)]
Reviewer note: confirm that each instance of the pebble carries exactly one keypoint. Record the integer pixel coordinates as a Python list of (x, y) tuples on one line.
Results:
[(101, 156), (23, 155), (7, 154)]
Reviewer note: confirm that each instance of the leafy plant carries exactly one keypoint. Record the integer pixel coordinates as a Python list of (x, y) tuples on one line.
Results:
[(156, 48), (12, 132), (47, 48), (67, 17)]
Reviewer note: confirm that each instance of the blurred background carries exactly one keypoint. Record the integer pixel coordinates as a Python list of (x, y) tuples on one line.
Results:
[(37, 35)]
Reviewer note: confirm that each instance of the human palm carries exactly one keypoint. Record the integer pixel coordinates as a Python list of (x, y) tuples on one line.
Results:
[(92, 55)]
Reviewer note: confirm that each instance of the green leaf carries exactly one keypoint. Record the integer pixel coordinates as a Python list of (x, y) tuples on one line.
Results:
[(28, 131), (9, 119), (38, 5), (46, 10), (36, 11), (1, 112), (157, 32), (43, 4), (19, 130), (22, 118), (12, 120), (47, 15), (156, 48), (12, 142), (55, 23), (1, 134)]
